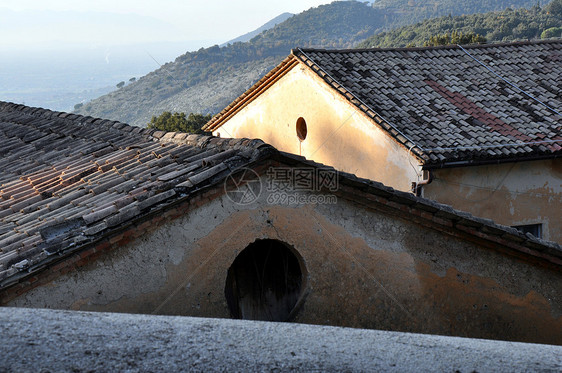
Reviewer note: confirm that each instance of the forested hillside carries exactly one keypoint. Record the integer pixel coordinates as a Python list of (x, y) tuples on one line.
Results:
[(413, 11), (207, 80), (246, 37), (504, 26)]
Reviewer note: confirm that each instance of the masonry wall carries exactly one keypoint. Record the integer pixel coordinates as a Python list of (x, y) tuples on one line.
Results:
[(363, 267), (518, 193), (338, 134)]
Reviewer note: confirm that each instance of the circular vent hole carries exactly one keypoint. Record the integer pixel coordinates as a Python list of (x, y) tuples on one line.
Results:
[(301, 129)]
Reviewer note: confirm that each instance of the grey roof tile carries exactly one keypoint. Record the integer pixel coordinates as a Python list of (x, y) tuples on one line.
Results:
[(63, 199), (457, 102)]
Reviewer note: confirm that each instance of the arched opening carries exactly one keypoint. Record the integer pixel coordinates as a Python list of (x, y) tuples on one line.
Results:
[(301, 129), (264, 282)]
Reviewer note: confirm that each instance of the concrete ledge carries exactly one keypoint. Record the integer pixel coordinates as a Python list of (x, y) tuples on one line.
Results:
[(36, 340)]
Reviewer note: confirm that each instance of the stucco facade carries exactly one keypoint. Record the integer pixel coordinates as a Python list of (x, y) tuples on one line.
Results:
[(384, 116), (364, 261), (514, 194), (338, 134)]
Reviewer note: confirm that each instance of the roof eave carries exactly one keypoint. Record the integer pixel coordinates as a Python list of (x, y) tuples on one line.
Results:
[(252, 93), (488, 161), (398, 136)]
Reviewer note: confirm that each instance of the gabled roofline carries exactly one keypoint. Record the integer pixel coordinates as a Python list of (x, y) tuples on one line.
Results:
[(283, 68), (300, 55), (379, 120), (431, 214), (258, 154), (252, 93), (439, 47)]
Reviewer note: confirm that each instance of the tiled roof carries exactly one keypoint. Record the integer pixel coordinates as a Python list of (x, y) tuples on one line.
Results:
[(68, 180), (65, 179), (451, 104)]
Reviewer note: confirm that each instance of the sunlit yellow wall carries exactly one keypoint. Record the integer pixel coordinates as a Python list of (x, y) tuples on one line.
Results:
[(338, 134), (342, 137), (518, 193)]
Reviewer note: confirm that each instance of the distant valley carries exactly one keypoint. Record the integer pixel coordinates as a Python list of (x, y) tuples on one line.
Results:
[(38, 68), (207, 80)]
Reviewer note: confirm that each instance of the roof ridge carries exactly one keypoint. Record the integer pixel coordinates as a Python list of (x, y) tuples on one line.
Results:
[(185, 138), (439, 47), (487, 226), (202, 141), (71, 117)]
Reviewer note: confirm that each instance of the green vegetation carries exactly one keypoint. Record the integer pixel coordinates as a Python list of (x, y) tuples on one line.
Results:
[(178, 122), (414, 11), (207, 80), (504, 26), (120, 84), (553, 32), (554, 8), (454, 38)]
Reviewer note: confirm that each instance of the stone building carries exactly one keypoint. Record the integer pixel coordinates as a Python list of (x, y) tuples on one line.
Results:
[(97, 215), (478, 128)]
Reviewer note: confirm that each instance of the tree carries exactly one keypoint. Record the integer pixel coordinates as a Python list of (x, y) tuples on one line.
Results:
[(132, 79), (120, 84), (179, 122), (553, 32), (554, 8), (78, 106), (454, 38)]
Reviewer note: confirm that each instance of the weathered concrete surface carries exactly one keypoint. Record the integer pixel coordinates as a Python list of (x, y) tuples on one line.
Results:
[(363, 269), (519, 193), (46, 340)]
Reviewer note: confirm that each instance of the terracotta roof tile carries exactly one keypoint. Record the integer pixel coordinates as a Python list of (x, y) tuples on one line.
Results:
[(63, 173), (86, 183)]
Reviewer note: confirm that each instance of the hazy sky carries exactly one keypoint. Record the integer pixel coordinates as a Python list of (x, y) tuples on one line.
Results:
[(26, 21)]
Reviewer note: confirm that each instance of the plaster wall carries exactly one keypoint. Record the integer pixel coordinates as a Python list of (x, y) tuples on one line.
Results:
[(338, 135), (518, 193), (364, 269)]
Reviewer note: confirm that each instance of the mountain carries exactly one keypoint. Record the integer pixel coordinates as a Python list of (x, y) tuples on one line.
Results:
[(413, 11), (207, 80), (504, 26), (248, 36)]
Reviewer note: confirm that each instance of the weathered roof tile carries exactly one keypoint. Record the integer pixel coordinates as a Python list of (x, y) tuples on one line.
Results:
[(66, 200), (464, 107)]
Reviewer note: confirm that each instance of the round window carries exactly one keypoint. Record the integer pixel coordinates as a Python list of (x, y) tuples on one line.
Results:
[(301, 129)]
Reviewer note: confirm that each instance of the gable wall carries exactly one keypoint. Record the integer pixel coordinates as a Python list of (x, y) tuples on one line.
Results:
[(517, 193), (364, 268), (339, 135)]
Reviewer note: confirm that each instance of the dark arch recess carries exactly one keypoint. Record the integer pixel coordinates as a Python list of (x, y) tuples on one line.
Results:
[(265, 282)]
